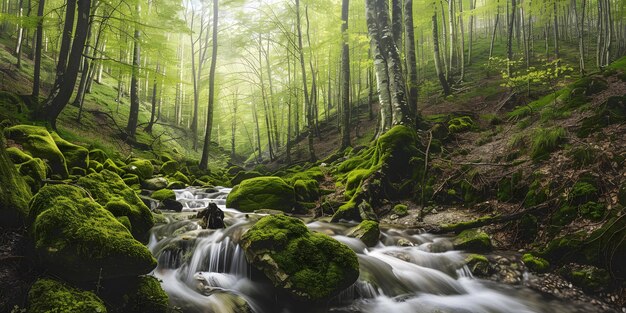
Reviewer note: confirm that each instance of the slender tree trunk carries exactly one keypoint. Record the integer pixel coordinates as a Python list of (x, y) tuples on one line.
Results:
[(411, 62), (452, 34), (84, 76), (272, 102), (209, 119), (509, 42), (154, 101), (345, 77), (133, 116), (437, 57), (462, 28), (580, 22), (471, 32), (38, 48), (66, 39), (396, 22), (495, 28), (20, 35), (233, 127), (556, 32), (307, 102)]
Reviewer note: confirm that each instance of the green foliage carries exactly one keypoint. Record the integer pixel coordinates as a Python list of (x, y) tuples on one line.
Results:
[(266, 192), (163, 194), (546, 140), (98, 155), (592, 210), (582, 192), (535, 264), (48, 295), (78, 240), (400, 210), (313, 266), (589, 278)]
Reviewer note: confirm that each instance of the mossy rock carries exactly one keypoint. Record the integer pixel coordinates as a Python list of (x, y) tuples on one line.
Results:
[(587, 277), (535, 264), (400, 210), (141, 294), (98, 155), (17, 156), (308, 266), (14, 194), (243, 175), (266, 192), (111, 166), (107, 186), (75, 155), (154, 183), (38, 142), (307, 190), (478, 264), (461, 124), (48, 295), (367, 231), (473, 240), (78, 171), (351, 211), (169, 167), (131, 180), (176, 185), (34, 171), (163, 194), (178, 176), (142, 168), (78, 240), (354, 180), (95, 166)]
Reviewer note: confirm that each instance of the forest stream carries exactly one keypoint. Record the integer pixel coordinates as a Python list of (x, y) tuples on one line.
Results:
[(206, 271)]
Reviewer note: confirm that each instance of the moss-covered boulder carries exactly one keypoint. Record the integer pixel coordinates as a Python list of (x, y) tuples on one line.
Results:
[(307, 190), (163, 194), (169, 167), (351, 211), (178, 176), (308, 266), (107, 186), (473, 240), (243, 175), (14, 194), (48, 295), (478, 264), (34, 172), (38, 142), (75, 155), (535, 264), (154, 183), (131, 180), (98, 155), (176, 185), (400, 210), (367, 231), (587, 277), (266, 192), (142, 168), (17, 156), (111, 166), (137, 295), (77, 239)]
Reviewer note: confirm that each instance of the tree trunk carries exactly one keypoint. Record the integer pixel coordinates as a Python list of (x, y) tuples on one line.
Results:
[(53, 107), (471, 32), (580, 21), (345, 77), (209, 118), (462, 28), (556, 32), (154, 101), (66, 39), (437, 57), (272, 102), (495, 28), (411, 62), (133, 116), (509, 42), (38, 48), (307, 102), (396, 22), (20, 35)]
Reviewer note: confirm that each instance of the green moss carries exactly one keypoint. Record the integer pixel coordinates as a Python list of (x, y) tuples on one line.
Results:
[(592, 210), (582, 192), (546, 140), (612, 111), (243, 175), (17, 156), (35, 172), (78, 240), (111, 166), (307, 190), (267, 192), (48, 295), (75, 155), (169, 167), (473, 240), (176, 185), (314, 173), (537, 193), (38, 142), (145, 295), (354, 180), (461, 124), (582, 155), (400, 210), (141, 168), (589, 278), (178, 176), (478, 264), (107, 186), (618, 65), (309, 266), (535, 264), (163, 194), (125, 221), (367, 231), (131, 179), (511, 188), (95, 166), (98, 155), (564, 215), (14, 192)]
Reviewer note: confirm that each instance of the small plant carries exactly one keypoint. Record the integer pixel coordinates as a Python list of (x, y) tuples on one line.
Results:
[(460, 124), (546, 140)]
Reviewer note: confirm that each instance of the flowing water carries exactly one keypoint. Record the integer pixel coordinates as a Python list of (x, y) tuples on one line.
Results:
[(206, 271)]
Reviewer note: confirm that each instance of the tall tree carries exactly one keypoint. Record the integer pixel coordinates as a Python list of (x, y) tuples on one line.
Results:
[(38, 49), (509, 42), (209, 119), (307, 101), (411, 61), (345, 77), (436, 55), (133, 115)]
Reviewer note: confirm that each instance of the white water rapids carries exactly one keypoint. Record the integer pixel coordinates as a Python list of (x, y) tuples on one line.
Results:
[(206, 271)]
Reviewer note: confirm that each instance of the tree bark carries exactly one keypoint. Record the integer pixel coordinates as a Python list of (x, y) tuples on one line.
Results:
[(462, 28), (495, 28), (209, 118), (345, 77), (411, 61), (509, 42), (38, 48), (307, 102), (436, 55), (133, 115), (556, 32)]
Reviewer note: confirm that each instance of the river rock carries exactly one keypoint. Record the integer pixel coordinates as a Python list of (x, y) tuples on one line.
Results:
[(78, 240), (262, 193), (212, 217), (308, 266), (163, 194), (155, 183), (367, 231), (13, 200), (48, 295), (170, 205), (473, 240)]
